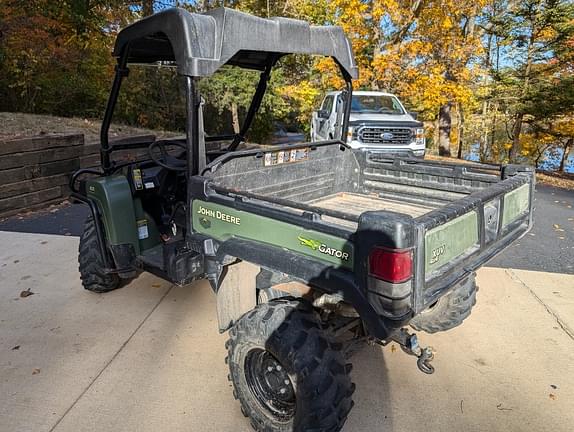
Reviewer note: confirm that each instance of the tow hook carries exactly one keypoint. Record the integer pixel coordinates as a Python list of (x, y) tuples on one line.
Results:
[(410, 345)]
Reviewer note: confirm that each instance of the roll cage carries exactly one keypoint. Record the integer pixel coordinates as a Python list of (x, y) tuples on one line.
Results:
[(200, 44)]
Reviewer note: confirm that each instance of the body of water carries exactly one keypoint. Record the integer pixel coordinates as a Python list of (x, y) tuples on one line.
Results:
[(550, 160)]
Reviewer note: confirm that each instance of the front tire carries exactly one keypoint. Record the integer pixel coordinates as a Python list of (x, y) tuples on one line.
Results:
[(92, 268), (450, 310), (286, 371)]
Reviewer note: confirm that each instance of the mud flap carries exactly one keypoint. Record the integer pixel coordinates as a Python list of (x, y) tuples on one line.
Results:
[(236, 293)]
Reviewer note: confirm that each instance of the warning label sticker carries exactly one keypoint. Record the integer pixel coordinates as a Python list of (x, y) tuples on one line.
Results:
[(142, 229), (286, 156)]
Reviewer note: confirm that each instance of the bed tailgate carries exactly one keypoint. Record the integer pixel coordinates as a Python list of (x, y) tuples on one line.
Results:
[(457, 239)]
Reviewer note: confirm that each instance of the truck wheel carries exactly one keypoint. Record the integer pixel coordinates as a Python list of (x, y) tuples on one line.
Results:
[(286, 371), (450, 310), (91, 263)]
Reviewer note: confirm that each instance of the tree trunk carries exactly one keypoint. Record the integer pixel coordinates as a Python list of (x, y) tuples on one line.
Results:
[(460, 130), (235, 118), (493, 125), (516, 131), (484, 139), (147, 7), (435, 134), (444, 127), (539, 156), (564, 158)]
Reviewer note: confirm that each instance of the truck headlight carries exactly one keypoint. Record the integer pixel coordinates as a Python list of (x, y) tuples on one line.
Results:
[(420, 136)]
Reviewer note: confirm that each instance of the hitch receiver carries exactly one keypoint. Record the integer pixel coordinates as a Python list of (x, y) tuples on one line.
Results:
[(410, 345)]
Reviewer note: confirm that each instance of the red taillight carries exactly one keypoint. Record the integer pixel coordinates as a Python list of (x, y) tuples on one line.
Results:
[(391, 265)]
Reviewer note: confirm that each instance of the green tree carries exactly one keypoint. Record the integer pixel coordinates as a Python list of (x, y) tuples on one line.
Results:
[(532, 32)]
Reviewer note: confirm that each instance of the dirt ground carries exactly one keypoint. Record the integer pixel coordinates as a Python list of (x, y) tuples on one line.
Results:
[(15, 125)]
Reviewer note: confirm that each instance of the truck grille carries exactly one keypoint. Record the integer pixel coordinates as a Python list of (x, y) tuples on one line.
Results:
[(385, 135)]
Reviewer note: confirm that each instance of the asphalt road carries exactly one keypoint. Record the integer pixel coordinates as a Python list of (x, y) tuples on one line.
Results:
[(549, 247)]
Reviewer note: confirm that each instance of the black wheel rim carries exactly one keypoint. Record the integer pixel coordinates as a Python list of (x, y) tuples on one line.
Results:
[(270, 384)]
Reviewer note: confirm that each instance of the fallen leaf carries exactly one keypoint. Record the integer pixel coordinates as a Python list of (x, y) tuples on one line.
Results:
[(553, 386), (16, 348), (552, 396), (393, 348), (156, 285), (26, 293), (36, 371), (561, 238), (499, 407), (556, 226)]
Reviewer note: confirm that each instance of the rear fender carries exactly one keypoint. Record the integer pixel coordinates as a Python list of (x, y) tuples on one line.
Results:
[(113, 198)]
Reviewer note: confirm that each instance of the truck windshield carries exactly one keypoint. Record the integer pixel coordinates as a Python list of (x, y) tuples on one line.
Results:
[(376, 104)]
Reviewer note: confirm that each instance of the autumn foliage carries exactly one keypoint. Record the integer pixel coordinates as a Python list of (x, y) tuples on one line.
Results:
[(492, 76)]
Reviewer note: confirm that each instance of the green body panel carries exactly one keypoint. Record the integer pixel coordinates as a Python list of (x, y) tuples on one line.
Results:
[(516, 203), (447, 242), (115, 202), (222, 223), (144, 220)]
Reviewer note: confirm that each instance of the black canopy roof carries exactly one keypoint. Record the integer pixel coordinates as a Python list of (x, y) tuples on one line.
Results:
[(201, 43)]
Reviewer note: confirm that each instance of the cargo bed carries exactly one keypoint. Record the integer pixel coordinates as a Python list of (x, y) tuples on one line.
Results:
[(317, 212), (353, 204), (338, 186)]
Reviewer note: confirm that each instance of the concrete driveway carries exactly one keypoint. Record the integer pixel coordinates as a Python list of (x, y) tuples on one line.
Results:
[(148, 357)]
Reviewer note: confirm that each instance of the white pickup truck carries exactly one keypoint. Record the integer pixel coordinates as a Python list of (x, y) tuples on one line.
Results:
[(378, 123)]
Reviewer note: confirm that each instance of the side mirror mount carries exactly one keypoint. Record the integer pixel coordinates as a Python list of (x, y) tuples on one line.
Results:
[(414, 114)]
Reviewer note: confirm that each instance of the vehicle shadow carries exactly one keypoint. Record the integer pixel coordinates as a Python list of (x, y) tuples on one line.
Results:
[(372, 410)]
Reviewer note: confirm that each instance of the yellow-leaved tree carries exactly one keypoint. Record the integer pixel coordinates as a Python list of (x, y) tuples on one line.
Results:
[(420, 49)]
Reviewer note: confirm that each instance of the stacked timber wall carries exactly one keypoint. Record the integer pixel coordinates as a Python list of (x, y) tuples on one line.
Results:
[(34, 172)]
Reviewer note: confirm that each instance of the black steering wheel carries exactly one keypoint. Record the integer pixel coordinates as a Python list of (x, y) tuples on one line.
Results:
[(165, 159)]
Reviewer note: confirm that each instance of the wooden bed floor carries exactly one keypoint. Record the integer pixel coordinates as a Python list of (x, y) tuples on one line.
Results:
[(355, 204)]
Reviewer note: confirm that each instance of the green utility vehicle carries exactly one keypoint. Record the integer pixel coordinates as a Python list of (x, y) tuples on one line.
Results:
[(310, 248)]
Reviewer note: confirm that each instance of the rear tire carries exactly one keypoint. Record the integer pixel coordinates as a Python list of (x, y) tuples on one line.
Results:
[(286, 371), (92, 267), (450, 310)]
